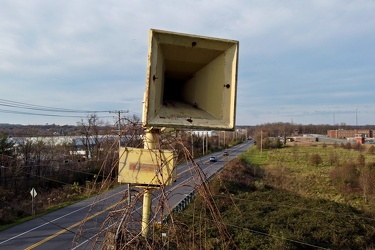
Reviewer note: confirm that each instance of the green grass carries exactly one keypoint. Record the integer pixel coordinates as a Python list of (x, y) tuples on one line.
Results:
[(254, 156), (291, 168), (303, 211)]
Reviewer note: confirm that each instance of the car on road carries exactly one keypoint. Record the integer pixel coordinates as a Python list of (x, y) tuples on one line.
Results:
[(225, 153), (213, 159)]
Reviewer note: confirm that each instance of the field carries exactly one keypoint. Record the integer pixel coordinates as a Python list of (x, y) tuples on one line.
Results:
[(313, 196), (329, 172)]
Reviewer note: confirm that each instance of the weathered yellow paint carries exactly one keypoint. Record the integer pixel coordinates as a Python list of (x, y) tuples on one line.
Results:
[(146, 211), (146, 166), (191, 81)]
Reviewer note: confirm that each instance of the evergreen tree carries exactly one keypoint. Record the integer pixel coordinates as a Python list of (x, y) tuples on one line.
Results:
[(5, 145)]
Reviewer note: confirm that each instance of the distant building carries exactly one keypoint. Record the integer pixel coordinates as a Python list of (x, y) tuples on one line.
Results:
[(304, 138), (354, 133), (370, 140), (360, 139), (203, 132)]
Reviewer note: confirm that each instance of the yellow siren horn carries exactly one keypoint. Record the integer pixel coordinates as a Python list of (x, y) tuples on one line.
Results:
[(191, 81)]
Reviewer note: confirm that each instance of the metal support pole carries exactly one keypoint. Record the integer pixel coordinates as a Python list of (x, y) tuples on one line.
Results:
[(149, 140), (149, 143), (32, 206), (146, 211)]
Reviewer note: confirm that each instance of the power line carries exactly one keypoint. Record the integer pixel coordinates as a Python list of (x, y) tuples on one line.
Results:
[(49, 115), (275, 236), (14, 106), (38, 114), (23, 105), (263, 233)]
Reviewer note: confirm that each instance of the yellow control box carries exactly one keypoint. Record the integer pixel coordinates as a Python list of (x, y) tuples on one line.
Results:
[(146, 167)]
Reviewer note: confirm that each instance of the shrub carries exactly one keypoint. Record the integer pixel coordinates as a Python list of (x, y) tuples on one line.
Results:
[(361, 161), (371, 149), (367, 180), (316, 159), (333, 158), (357, 146), (345, 177), (238, 176)]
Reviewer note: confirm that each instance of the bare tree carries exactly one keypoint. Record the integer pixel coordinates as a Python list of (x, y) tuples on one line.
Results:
[(367, 180), (90, 135)]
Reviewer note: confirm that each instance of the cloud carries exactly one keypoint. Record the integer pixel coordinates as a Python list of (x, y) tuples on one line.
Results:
[(296, 57)]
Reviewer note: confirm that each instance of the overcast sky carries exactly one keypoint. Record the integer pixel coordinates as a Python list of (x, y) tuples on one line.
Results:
[(306, 62)]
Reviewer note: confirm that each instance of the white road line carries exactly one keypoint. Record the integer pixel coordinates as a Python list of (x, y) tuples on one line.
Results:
[(49, 222)]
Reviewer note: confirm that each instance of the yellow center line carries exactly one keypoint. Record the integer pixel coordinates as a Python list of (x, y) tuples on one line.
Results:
[(70, 227)]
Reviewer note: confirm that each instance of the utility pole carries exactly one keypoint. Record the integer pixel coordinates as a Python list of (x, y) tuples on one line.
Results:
[(224, 140), (192, 143), (203, 142), (219, 139), (119, 112), (206, 142), (356, 118)]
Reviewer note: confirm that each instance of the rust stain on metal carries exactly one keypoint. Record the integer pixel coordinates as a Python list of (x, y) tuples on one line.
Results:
[(142, 167)]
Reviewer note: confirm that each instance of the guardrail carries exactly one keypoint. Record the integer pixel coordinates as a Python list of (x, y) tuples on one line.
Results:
[(188, 198)]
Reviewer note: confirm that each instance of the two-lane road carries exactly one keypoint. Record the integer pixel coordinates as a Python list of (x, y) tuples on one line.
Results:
[(80, 225)]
